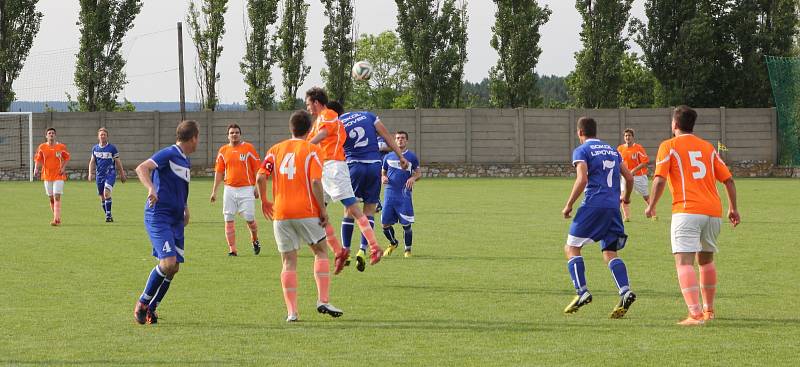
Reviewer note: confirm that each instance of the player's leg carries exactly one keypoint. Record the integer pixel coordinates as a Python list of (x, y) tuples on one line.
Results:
[(247, 208), (171, 265), (706, 267), (369, 212), (162, 238), (368, 188), (288, 242), (108, 186), (348, 222), (229, 210), (406, 218), (58, 190), (48, 190), (322, 277), (613, 242), (388, 218), (336, 182), (626, 208), (586, 225), (100, 183), (685, 235)]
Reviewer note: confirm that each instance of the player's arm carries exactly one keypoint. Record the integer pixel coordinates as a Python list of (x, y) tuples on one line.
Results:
[(261, 186), (628, 183), (91, 167), (219, 171), (64, 160), (643, 161), (581, 179), (659, 182), (186, 216), (733, 211), (389, 140), (414, 178), (143, 171), (37, 158), (122, 175), (321, 134), (319, 196)]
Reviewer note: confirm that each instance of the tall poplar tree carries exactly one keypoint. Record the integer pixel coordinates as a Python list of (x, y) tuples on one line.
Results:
[(337, 45), (207, 26), (19, 24), (291, 50), (256, 66)]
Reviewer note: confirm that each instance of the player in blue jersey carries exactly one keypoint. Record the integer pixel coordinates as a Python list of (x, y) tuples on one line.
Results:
[(363, 159), (598, 166), (104, 164), (166, 176), (397, 205)]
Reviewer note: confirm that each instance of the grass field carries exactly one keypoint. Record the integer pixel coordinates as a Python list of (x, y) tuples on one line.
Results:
[(486, 287)]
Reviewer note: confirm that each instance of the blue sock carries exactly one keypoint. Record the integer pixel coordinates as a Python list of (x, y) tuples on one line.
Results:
[(389, 233), (347, 232), (407, 236), (162, 290), (108, 206), (364, 239), (103, 205), (577, 271), (153, 283), (620, 274)]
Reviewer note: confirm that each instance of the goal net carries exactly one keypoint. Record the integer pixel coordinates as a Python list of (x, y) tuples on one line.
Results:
[(16, 146), (784, 75)]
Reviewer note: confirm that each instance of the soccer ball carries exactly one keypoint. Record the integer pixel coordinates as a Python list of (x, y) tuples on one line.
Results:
[(362, 70)]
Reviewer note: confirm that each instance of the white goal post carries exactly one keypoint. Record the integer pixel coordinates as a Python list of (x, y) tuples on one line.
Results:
[(16, 144)]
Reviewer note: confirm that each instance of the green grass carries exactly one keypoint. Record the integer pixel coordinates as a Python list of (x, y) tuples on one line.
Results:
[(486, 287)]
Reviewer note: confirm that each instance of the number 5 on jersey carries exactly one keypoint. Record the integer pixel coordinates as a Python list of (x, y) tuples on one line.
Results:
[(288, 167)]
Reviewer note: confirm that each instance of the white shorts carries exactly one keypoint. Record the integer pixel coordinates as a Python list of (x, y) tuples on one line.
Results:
[(639, 185), (54, 187), (291, 233), (694, 233), (336, 181), (239, 200)]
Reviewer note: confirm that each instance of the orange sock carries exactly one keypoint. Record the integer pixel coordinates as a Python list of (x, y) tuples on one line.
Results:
[(366, 230), (289, 284), (331, 240), (708, 285), (626, 210), (230, 235), (57, 210), (323, 277), (253, 230), (688, 282)]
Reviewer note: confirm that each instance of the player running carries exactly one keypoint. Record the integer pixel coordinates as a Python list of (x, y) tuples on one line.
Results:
[(166, 176), (52, 157), (104, 164), (635, 159), (691, 166), (298, 214), (598, 167), (363, 159), (397, 205), (238, 162)]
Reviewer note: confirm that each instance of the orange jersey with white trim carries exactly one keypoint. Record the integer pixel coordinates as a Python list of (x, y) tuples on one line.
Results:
[(633, 156), (692, 168), (239, 163), (293, 164), (333, 144), (52, 158)]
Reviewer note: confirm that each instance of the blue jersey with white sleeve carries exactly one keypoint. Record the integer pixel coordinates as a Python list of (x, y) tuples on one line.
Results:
[(603, 162), (104, 157), (171, 180), (396, 188), (361, 144)]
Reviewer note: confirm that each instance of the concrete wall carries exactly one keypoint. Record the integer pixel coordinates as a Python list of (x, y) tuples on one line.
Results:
[(465, 136)]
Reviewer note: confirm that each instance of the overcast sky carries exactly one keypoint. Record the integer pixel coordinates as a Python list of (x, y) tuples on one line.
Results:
[(150, 47)]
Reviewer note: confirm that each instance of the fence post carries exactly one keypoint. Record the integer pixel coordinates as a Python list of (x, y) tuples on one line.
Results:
[(262, 134), (776, 145), (209, 142), (156, 130), (468, 134), (521, 134), (570, 131), (722, 129), (101, 119), (623, 124), (418, 129)]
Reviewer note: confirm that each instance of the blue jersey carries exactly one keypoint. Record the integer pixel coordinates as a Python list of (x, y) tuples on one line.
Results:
[(396, 188), (104, 157), (603, 162), (171, 181), (361, 144)]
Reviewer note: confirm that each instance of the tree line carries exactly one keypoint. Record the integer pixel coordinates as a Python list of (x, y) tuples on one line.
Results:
[(705, 53)]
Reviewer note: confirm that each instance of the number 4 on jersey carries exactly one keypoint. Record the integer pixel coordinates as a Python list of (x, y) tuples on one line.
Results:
[(287, 166)]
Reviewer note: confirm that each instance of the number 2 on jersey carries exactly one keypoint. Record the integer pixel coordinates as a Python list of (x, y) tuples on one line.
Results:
[(359, 134), (288, 167)]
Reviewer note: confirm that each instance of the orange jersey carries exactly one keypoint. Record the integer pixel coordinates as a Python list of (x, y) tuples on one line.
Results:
[(52, 158), (692, 166), (333, 144), (633, 156), (297, 162), (239, 163)]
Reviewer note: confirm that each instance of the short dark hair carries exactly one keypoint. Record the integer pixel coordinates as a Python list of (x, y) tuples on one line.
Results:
[(317, 94), (628, 130), (402, 132), (684, 117), (187, 130), (300, 123), (588, 125), (233, 126), (48, 129), (335, 106)]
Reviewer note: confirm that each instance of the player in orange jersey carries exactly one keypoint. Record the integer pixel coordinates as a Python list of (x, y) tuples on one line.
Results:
[(298, 213), (636, 160), (52, 157), (329, 133), (692, 167), (238, 162)]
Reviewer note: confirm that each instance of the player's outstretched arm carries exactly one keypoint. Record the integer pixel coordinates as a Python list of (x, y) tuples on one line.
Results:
[(659, 183), (91, 167), (322, 134), (384, 133), (628, 183), (733, 211), (581, 180), (143, 172)]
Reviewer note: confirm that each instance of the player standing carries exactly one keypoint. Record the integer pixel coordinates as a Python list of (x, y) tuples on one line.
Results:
[(52, 157), (104, 164), (363, 159), (691, 166), (397, 205), (598, 167), (635, 158), (238, 162), (166, 176), (298, 213)]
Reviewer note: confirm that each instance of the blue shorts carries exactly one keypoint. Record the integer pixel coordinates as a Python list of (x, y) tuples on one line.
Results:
[(602, 225), (366, 181), (397, 210), (106, 183), (166, 236)]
